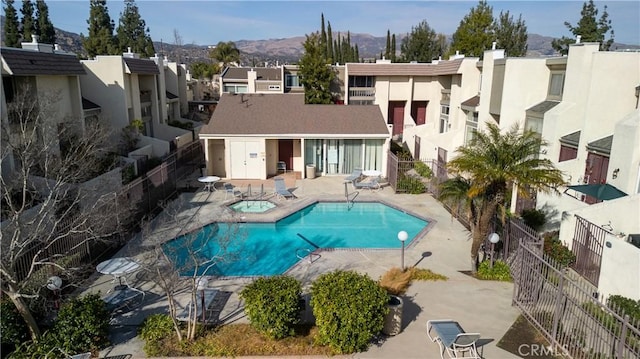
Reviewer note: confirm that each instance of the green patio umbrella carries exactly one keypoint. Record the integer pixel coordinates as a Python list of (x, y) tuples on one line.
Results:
[(601, 191)]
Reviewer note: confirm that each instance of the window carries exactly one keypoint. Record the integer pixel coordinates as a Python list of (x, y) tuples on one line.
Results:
[(293, 81), (235, 88), (145, 111), (444, 110), (444, 124), (470, 128), (361, 81), (8, 88), (556, 84)]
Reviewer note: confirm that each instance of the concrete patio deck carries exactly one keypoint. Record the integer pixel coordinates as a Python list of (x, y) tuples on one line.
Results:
[(479, 306)]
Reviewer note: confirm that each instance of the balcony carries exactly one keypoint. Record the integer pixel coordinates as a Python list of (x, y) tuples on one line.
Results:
[(446, 96), (362, 93)]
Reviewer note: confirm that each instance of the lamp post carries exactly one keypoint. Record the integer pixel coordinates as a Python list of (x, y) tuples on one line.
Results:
[(203, 282), (54, 284), (402, 236), (493, 238)]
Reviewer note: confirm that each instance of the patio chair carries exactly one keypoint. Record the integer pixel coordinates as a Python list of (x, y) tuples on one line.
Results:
[(355, 174), (282, 167), (452, 339), (230, 189), (373, 184), (204, 298), (281, 190)]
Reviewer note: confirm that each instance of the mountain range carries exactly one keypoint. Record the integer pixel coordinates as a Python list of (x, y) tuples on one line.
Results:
[(286, 50)]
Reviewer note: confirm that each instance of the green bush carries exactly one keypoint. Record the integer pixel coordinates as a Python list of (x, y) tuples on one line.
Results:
[(558, 251), (272, 305), (82, 325), (46, 346), (422, 169), (625, 306), (500, 271), (13, 328), (412, 185), (349, 308), (154, 329), (534, 218)]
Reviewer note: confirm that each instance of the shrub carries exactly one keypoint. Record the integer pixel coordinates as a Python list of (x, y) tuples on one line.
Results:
[(396, 281), (412, 185), (625, 306), (154, 329), (13, 328), (349, 308), (558, 251), (82, 324), (423, 170), (534, 218), (425, 274), (272, 305), (500, 271)]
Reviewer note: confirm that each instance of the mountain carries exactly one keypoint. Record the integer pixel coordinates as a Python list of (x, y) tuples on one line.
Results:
[(287, 50)]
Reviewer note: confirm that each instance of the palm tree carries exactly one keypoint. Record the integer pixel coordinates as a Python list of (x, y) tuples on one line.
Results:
[(488, 168), (225, 53)]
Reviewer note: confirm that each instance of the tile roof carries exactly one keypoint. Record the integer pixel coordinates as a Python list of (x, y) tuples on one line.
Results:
[(404, 69), (602, 145), (31, 63), (543, 106), (240, 73), (287, 115), (141, 66), (472, 102), (572, 139)]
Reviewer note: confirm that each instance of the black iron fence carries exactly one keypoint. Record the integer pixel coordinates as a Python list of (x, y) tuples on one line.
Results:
[(563, 308)]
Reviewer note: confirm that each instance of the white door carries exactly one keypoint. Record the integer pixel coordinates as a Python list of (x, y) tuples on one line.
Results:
[(246, 161)]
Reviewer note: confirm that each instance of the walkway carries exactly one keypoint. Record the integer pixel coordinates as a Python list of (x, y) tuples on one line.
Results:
[(479, 306)]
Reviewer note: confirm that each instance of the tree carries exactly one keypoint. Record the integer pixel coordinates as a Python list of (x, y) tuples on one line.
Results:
[(316, 72), (49, 215), (488, 168), (442, 45), (387, 49), (420, 45), (330, 56), (132, 31), (177, 256), (476, 31), (393, 48), (589, 28), (202, 70), (511, 36), (226, 53), (27, 22), (44, 27), (100, 40), (11, 25)]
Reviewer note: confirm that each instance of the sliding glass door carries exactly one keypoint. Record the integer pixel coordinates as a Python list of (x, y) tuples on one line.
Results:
[(335, 157)]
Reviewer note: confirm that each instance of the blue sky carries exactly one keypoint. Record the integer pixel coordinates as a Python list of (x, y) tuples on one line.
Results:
[(206, 22)]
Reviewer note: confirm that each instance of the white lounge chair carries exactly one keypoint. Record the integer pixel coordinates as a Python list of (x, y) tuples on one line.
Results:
[(355, 174), (373, 184), (281, 190), (209, 295), (452, 339)]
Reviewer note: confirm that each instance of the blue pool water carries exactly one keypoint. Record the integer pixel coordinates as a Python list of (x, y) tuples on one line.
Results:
[(262, 249)]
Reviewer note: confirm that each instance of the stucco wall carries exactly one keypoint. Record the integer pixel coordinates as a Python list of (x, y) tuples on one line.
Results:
[(104, 84), (620, 269)]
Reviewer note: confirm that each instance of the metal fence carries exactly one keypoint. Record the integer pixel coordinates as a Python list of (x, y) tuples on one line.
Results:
[(120, 215), (588, 242), (562, 306)]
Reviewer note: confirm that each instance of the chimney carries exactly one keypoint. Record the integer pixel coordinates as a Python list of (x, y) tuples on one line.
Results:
[(34, 39), (457, 53), (493, 45), (578, 37)]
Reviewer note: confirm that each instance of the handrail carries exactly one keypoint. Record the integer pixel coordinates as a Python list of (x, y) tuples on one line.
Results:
[(309, 254)]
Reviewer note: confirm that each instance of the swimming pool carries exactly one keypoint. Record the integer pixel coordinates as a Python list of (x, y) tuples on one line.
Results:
[(263, 249)]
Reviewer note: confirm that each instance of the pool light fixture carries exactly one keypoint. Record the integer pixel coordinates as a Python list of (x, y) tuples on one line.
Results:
[(402, 236)]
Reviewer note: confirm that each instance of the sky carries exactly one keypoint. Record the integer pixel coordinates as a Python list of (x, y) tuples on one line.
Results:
[(207, 22)]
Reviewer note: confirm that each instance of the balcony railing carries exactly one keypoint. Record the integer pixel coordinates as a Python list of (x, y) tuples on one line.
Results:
[(362, 93), (446, 95)]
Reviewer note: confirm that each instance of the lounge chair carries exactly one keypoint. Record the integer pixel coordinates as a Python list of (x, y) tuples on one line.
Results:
[(452, 339), (209, 295), (355, 174), (230, 189), (373, 184), (281, 190)]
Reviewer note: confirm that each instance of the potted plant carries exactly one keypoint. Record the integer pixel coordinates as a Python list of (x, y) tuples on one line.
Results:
[(395, 281)]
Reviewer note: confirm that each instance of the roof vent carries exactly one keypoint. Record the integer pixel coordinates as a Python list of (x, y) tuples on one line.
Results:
[(493, 45), (578, 37)]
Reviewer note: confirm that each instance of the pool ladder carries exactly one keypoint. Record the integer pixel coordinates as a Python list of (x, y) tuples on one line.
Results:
[(308, 254)]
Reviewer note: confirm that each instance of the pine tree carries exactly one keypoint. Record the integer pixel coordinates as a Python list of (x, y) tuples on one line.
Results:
[(420, 45), (44, 27), (357, 54), (100, 40), (330, 56), (133, 33), (511, 36), (323, 37), (11, 25), (387, 49), (476, 31), (393, 48), (316, 74), (589, 28), (27, 22)]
